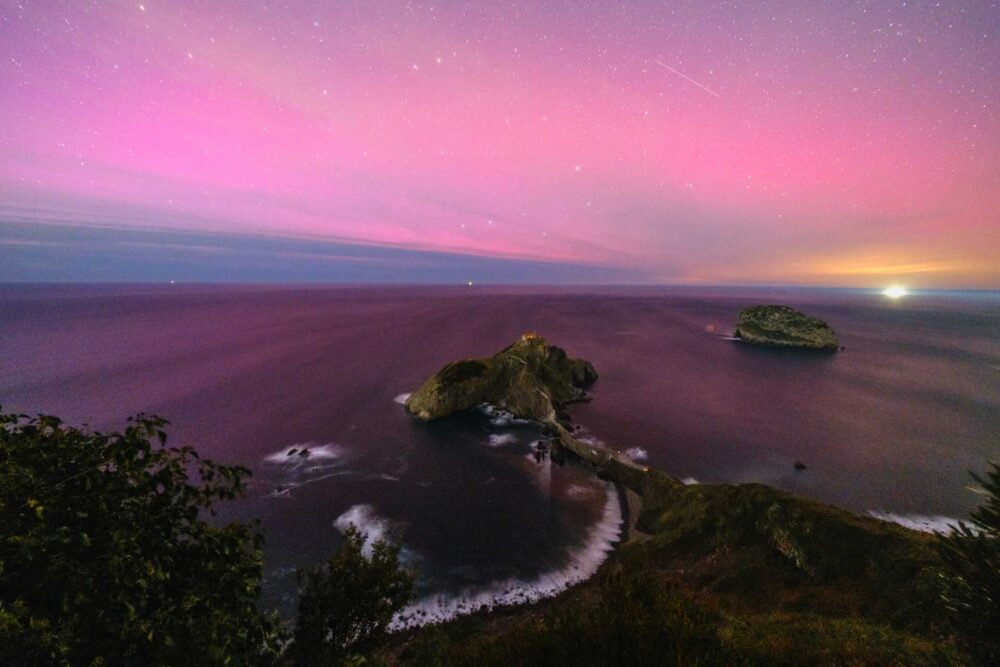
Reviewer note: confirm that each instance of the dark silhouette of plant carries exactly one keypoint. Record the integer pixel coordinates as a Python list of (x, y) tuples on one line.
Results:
[(105, 557), (971, 574), (346, 606)]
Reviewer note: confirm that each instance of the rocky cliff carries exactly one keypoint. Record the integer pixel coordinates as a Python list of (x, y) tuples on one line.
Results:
[(530, 379)]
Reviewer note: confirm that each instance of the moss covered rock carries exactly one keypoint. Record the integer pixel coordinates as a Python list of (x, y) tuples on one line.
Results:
[(782, 326), (531, 379)]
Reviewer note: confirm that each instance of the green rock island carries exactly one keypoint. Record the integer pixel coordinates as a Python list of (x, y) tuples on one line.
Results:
[(781, 326)]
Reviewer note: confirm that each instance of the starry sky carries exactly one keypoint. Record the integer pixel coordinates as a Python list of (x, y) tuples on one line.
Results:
[(789, 142)]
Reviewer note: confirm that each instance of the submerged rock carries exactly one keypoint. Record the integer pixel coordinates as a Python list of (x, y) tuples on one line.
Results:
[(530, 379), (782, 326)]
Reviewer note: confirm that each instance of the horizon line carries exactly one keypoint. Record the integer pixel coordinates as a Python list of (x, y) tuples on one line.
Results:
[(474, 284)]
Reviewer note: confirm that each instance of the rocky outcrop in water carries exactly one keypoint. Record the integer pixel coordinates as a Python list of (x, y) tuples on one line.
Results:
[(530, 379), (850, 590), (781, 326)]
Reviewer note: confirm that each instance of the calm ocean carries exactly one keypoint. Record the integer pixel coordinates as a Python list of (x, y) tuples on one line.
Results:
[(891, 424)]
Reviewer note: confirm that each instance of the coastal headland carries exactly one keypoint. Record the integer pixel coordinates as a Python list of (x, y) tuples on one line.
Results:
[(772, 578)]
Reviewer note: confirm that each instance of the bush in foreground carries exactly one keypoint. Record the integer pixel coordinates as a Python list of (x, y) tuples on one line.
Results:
[(106, 559), (971, 576), (345, 607)]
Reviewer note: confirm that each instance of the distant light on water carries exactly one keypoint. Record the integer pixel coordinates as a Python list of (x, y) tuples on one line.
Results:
[(895, 292)]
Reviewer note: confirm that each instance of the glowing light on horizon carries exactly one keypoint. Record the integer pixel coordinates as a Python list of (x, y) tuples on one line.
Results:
[(895, 292)]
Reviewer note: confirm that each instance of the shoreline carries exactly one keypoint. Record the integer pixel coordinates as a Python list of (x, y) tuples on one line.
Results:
[(489, 600), (585, 560)]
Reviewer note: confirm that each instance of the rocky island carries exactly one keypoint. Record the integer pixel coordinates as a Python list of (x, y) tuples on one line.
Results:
[(781, 326), (530, 379), (709, 574)]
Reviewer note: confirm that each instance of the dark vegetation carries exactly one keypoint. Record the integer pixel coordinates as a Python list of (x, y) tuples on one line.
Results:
[(106, 558), (629, 616), (732, 575), (460, 371), (347, 605), (971, 574)]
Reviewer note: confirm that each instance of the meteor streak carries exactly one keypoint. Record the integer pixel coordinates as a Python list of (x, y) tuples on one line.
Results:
[(685, 76)]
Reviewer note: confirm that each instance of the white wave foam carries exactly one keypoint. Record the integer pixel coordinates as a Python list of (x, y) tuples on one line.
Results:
[(371, 525), (501, 439), (385, 477), (306, 452), (689, 481), (583, 562), (922, 522), (500, 417), (285, 489), (401, 398), (302, 464), (637, 454)]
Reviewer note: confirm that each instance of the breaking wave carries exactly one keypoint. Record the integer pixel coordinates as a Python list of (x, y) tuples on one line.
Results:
[(501, 439), (302, 464), (689, 481), (374, 527), (306, 453), (584, 561), (637, 454), (401, 398), (922, 522), (590, 439), (500, 417), (371, 525)]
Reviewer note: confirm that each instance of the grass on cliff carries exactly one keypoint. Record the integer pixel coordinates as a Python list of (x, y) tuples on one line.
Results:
[(640, 616), (725, 575)]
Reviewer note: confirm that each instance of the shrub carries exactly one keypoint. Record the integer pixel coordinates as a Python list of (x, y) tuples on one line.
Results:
[(105, 557), (345, 607), (971, 574)]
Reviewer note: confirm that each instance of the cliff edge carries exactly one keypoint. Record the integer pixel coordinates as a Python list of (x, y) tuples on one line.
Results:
[(531, 379)]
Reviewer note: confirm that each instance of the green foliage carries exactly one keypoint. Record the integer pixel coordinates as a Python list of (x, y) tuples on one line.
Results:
[(776, 640), (346, 606), (971, 574), (460, 371), (105, 557), (727, 575), (632, 619), (638, 617)]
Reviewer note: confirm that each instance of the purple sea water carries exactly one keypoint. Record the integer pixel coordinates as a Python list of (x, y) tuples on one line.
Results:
[(891, 424)]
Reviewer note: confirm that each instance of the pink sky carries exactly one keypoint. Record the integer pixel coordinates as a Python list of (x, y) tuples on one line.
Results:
[(836, 144)]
